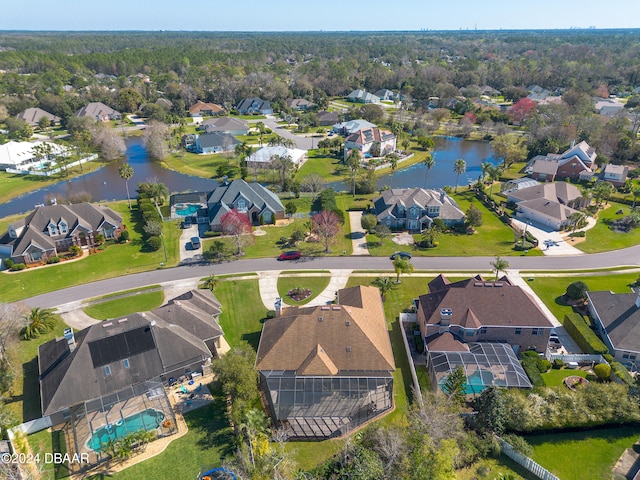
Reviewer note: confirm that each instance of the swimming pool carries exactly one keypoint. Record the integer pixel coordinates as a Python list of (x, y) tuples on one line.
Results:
[(149, 419), (187, 210)]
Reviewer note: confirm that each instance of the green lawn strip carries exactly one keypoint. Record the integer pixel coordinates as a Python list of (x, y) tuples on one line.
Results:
[(577, 272), (40, 444), (25, 398), (328, 167), (601, 239), (554, 378), (309, 455), (592, 453), (140, 302), (207, 442), (242, 311), (114, 261), (315, 284), (550, 289), (249, 117), (124, 293), (205, 166)]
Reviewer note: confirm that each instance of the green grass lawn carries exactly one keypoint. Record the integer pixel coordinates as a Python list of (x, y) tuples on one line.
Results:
[(207, 442), (118, 307), (580, 455), (205, 166), (550, 289), (315, 284), (324, 165), (601, 239), (492, 238), (115, 260), (554, 378), (43, 442)]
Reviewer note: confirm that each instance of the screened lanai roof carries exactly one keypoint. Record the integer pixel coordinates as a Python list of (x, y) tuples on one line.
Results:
[(485, 364)]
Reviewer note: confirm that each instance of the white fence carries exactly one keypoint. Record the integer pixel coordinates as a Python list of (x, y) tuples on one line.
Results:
[(388, 164), (575, 357), (33, 426), (535, 468), (47, 173), (409, 318)]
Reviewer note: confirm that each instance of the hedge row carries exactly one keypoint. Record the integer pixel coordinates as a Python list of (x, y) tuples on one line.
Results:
[(586, 339), (622, 373), (533, 365)]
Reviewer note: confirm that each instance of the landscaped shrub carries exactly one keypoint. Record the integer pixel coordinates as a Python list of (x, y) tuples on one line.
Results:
[(75, 250), (18, 266), (603, 371), (577, 290), (51, 260), (586, 339), (154, 243), (8, 263), (622, 373), (124, 236), (271, 314), (519, 443), (557, 364), (521, 246), (608, 357), (530, 361), (578, 234), (544, 365)]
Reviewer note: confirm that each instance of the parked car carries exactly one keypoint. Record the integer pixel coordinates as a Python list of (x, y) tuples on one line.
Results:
[(404, 255), (195, 243), (293, 255)]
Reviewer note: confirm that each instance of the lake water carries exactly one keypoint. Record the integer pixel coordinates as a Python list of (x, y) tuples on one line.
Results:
[(106, 184), (446, 152)]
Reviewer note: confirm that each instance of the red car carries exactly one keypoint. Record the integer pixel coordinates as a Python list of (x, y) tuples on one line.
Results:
[(290, 256)]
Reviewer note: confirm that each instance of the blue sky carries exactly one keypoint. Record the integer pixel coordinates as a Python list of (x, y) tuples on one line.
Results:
[(302, 15)]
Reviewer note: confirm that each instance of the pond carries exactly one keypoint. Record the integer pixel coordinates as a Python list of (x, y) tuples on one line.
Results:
[(446, 152)]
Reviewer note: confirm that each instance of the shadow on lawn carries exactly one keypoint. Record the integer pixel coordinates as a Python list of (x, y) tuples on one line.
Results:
[(211, 424), (30, 391)]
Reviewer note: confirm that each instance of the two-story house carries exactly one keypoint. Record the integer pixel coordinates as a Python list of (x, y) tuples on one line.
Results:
[(414, 209), (254, 106), (576, 162), (371, 142)]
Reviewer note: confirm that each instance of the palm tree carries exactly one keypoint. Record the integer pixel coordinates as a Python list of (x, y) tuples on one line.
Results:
[(385, 285), (575, 219), (484, 167), (353, 163), (393, 161), (159, 192), (284, 165), (255, 425), (126, 172), (401, 265), (499, 265), (429, 162), (40, 320), (262, 128), (635, 192), (460, 166), (211, 282), (493, 173)]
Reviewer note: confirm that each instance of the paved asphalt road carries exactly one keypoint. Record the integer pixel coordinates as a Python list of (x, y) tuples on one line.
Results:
[(629, 256)]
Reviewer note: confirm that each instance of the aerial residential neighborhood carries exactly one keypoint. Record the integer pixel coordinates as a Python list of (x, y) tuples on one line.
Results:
[(407, 254)]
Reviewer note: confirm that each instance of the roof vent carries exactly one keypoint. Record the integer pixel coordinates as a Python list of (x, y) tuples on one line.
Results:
[(488, 284), (320, 319), (498, 284), (348, 349), (153, 323), (336, 307), (478, 284), (108, 324), (325, 308), (347, 323), (122, 320), (70, 338)]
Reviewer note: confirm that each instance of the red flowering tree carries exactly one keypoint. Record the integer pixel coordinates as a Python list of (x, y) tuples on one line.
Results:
[(326, 225), (521, 110), (238, 226)]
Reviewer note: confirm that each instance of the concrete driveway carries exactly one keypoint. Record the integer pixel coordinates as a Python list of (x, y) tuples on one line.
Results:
[(187, 253), (358, 234), (551, 242)]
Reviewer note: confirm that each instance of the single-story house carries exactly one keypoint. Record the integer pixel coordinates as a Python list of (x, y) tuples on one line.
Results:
[(215, 142), (547, 204), (386, 94), (24, 155), (608, 106), (33, 115), (371, 142), (99, 112), (201, 109), (327, 370), (263, 157), (617, 319), (361, 96), (253, 106), (230, 125), (414, 209), (299, 104), (252, 199), (52, 229), (327, 118), (614, 174)]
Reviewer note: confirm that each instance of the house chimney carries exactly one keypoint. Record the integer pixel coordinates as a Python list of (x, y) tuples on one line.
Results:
[(638, 299), (573, 143), (445, 316), (70, 338), (278, 306), (442, 195)]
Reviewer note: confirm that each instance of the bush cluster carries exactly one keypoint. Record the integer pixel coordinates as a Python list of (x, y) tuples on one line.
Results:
[(18, 266), (533, 364), (147, 212), (622, 373), (8, 263), (586, 338)]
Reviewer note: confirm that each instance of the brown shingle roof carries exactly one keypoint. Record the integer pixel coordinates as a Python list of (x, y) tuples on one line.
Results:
[(446, 342), (323, 340)]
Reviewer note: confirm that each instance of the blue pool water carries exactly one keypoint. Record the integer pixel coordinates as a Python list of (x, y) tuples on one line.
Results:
[(148, 420), (190, 209)]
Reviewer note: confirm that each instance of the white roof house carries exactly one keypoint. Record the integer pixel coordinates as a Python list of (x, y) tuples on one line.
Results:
[(20, 154), (265, 154)]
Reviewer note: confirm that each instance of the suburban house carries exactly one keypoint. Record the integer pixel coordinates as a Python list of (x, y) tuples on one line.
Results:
[(254, 106), (614, 174), (386, 94), (230, 125), (327, 118), (608, 107), (164, 103), (414, 209), (617, 319), (201, 109), (215, 142), (115, 371), (352, 126), (99, 112), (25, 156), (327, 370), (33, 115), (547, 204), (252, 199), (299, 104), (263, 157), (360, 96), (576, 161), (370, 142), (481, 325), (52, 229)]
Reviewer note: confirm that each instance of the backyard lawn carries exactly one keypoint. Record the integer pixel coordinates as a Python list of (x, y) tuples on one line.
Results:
[(550, 289), (554, 378), (580, 455), (312, 282), (113, 261), (328, 167), (601, 239)]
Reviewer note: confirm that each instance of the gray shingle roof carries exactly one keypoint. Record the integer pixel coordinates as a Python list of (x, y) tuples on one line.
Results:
[(222, 199), (224, 124), (33, 115), (96, 110), (217, 139), (620, 317), (389, 201)]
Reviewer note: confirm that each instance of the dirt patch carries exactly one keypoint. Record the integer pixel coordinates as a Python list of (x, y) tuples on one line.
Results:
[(404, 238)]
